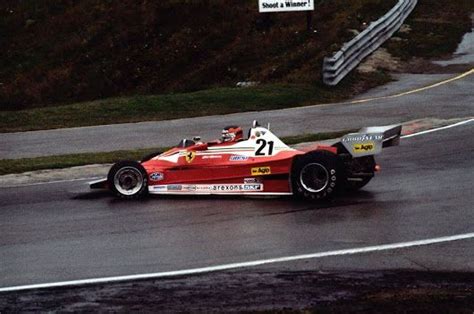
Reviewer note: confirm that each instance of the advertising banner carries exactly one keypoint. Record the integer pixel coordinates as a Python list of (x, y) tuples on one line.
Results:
[(285, 5)]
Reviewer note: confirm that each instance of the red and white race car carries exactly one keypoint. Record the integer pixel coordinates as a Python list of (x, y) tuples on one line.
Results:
[(259, 165)]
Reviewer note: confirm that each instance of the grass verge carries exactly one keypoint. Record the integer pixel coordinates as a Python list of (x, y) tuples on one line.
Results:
[(214, 101), (10, 166), (435, 29)]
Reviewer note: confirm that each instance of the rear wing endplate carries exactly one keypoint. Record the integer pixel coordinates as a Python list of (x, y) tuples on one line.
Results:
[(370, 141)]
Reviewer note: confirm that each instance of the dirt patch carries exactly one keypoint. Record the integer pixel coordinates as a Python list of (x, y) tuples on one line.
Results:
[(423, 66), (387, 291), (380, 60), (420, 125)]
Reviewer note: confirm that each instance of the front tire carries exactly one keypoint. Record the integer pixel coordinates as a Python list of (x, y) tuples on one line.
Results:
[(315, 176), (128, 179)]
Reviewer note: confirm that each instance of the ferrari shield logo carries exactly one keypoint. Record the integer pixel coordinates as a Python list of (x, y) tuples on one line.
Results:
[(190, 157)]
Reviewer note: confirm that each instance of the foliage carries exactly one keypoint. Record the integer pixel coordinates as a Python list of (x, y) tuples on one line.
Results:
[(65, 51), (182, 105), (436, 28)]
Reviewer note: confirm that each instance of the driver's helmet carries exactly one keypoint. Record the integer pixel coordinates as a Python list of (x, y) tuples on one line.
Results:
[(232, 134)]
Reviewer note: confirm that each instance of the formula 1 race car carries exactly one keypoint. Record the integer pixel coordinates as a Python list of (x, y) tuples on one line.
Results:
[(259, 165)]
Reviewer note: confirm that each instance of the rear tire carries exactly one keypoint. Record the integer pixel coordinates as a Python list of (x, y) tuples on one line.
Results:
[(315, 176), (128, 180)]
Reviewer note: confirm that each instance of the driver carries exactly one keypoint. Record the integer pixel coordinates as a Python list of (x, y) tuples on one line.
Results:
[(232, 134)]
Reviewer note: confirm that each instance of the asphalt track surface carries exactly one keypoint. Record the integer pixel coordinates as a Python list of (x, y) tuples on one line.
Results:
[(452, 100), (60, 231)]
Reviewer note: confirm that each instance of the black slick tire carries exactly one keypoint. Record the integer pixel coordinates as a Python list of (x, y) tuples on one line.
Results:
[(315, 175), (128, 179)]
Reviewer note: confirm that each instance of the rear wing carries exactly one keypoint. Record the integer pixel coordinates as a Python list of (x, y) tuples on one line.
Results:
[(370, 141)]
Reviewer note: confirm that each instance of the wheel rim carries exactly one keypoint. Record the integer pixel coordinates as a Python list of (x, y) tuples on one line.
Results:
[(314, 177), (128, 180)]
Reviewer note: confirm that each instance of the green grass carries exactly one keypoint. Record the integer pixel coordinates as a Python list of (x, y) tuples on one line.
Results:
[(437, 27), (214, 101), (9, 166), (161, 46)]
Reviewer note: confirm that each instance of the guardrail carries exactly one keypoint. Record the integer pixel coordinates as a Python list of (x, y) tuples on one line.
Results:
[(335, 68)]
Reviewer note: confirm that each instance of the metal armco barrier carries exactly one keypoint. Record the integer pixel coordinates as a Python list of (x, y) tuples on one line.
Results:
[(335, 68)]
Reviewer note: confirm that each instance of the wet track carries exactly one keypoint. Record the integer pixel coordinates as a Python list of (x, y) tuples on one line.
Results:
[(60, 231)]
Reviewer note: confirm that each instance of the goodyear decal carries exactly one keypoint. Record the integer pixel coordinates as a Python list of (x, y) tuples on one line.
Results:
[(190, 157), (363, 147), (362, 137), (261, 171)]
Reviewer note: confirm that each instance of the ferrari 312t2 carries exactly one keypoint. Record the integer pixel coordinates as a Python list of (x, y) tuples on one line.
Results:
[(258, 165)]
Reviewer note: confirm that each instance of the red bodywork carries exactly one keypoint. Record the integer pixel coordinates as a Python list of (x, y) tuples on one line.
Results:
[(261, 164), (221, 163)]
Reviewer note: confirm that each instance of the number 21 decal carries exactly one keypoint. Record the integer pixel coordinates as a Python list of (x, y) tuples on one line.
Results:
[(261, 151)]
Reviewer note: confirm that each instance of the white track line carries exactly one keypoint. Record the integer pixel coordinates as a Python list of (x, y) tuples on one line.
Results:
[(438, 129), (193, 271), (51, 182)]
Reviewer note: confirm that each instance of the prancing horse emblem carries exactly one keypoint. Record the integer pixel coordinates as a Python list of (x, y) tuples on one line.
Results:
[(190, 157)]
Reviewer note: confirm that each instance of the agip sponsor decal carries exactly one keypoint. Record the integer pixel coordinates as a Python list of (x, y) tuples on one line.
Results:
[(261, 171), (363, 144), (363, 147)]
